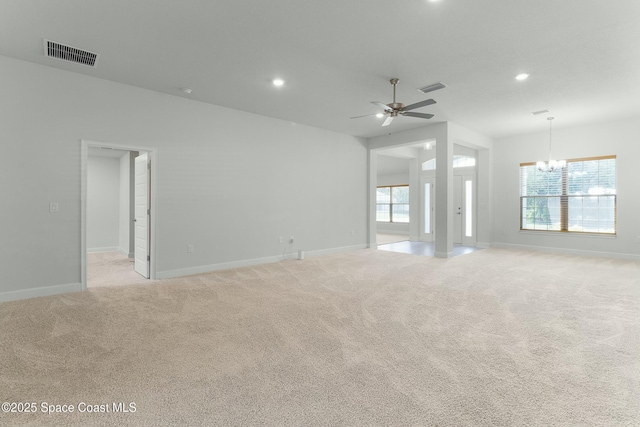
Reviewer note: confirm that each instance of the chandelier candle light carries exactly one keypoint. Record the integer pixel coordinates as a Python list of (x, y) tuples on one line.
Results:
[(551, 165)]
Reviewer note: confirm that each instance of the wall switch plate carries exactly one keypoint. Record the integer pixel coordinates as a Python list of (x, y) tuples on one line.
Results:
[(53, 207), (281, 239), (190, 249)]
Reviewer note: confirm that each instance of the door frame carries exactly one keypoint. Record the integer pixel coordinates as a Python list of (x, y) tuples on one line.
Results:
[(84, 158)]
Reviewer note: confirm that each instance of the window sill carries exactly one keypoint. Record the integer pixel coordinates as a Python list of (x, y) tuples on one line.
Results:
[(569, 234)]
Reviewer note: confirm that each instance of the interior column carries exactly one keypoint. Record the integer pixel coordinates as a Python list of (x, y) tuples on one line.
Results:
[(444, 194)]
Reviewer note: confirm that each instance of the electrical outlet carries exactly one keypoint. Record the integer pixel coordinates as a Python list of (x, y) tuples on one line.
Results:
[(53, 207), (291, 239), (353, 233), (190, 249)]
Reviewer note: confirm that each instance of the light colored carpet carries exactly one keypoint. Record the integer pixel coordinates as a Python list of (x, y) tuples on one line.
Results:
[(495, 337), (111, 269)]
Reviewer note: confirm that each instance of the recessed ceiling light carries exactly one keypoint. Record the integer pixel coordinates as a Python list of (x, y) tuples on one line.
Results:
[(278, 82), (522, 76), (379, 115), (187, 90)]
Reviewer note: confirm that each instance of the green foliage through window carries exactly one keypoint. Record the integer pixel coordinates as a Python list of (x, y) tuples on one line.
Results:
[(578, 198), (392, 204)]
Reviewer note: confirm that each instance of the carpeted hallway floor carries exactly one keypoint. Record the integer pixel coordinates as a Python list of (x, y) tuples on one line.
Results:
[(495, 337), (111, 269)]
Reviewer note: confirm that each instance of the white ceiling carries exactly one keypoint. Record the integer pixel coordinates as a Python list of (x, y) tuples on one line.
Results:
[(336, 56)]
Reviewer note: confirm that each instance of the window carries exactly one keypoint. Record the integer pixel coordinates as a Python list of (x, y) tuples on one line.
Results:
[(392, 203), (459, 161), (463, 161), (429, 165), (580, 197)]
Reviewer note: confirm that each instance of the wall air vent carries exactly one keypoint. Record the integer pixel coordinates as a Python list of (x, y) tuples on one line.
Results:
[(431, 88), (70, 54)]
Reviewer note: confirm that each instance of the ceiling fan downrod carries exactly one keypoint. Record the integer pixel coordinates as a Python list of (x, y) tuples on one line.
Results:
[(395, 105)]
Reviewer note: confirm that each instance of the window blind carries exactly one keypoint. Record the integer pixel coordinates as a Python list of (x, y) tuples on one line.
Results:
[(578, 198)]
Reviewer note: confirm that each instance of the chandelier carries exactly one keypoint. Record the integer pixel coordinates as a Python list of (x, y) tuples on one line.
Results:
[(551, 165)]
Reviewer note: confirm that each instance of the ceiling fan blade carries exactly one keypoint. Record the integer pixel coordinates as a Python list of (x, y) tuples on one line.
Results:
[(419, 104), (419, 115), (380, 104), (387, 121), (366, 115)]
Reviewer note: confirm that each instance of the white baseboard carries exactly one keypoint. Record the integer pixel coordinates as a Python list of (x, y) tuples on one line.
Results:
[(125, 253), (334, 250), (401, 232), (483, 245), (255, 261), (44, 291), (581, 252), (107, 249), (443, 254)]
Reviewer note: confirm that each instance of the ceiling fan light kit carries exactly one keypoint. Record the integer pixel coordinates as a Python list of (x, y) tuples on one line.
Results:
[(551, 165), (395, 109)]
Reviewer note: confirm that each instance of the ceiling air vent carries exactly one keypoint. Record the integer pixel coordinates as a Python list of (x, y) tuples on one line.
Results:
[(70, 54), (431, 88)]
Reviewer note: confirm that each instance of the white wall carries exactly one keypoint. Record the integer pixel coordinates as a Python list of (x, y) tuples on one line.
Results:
[(103, 203), (619, 138), (229, 182), (395, 179)]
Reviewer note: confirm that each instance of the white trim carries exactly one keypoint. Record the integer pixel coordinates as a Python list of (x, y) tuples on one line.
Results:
[(580, 252), (248, 262), (126, 253), (443, 254), (568, 234), (337, 250), (107, 249), (84, 155), (483, 245), (44, 291)]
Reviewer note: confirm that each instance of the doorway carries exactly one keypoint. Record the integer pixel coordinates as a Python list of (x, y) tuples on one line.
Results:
[(464, 208), (126, 255)]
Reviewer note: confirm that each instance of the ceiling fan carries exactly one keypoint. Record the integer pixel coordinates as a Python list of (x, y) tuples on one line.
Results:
[(396, 108)]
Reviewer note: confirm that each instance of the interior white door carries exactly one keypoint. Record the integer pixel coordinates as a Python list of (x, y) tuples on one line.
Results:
[(142, 214), (457, 209)]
